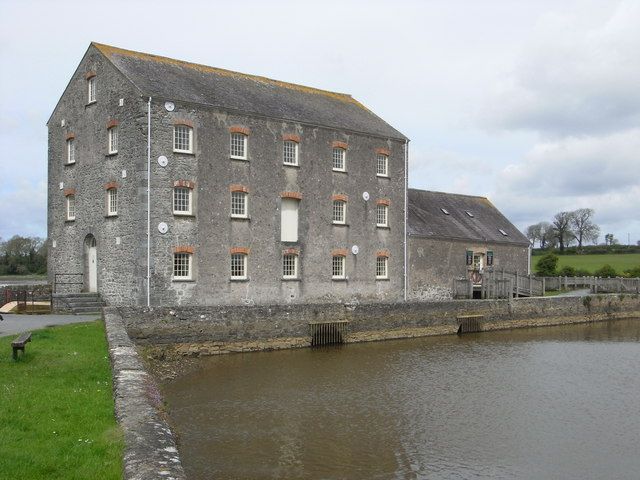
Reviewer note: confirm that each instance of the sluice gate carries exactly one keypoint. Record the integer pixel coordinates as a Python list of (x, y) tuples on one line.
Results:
[(328, 333), (470, 323)]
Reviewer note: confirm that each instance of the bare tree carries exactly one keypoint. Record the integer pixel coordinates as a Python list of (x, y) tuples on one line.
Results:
[(540, 232), (562, 228), (583, 227)]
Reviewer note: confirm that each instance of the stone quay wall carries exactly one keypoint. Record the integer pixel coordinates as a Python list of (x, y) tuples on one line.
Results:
[(225, 329)]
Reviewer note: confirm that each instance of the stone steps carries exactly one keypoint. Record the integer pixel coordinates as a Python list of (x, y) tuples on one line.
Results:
[(78, 302)]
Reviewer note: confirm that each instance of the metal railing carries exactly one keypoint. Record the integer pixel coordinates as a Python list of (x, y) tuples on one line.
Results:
[(65, 280)]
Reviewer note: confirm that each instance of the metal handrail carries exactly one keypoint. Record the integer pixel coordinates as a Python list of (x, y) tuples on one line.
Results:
[(57, 282)]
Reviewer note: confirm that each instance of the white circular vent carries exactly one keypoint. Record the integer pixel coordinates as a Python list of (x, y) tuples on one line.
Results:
[(170, 107), (355, 249), (163, 227), (162, 161), (365, 196)]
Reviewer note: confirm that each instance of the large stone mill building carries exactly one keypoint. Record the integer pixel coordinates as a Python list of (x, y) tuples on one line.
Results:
[(260, 191)]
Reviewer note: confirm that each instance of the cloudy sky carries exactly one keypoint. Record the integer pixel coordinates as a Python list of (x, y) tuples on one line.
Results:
[(535, 104)]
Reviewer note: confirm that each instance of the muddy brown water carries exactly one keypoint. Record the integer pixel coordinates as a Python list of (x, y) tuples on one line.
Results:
[(556, 402)]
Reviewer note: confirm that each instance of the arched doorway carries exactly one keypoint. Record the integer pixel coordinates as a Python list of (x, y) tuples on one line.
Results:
[(90, 264)]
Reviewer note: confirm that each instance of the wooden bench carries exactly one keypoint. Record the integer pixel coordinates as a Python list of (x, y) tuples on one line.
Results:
[(19, 343)]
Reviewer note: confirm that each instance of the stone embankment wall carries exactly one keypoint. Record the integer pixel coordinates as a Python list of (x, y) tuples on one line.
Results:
[(150, 448), (225, 329)]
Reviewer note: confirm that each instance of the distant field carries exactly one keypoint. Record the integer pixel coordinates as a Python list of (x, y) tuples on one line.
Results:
[(591, 263)]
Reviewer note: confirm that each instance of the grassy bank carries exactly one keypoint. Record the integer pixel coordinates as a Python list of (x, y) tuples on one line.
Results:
[(56, 407), (591, 263)]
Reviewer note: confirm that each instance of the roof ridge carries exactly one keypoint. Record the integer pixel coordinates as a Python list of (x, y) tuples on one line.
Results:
[(449, 193), (109, 50)]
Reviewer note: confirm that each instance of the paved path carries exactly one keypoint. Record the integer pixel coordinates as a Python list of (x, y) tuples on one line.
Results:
[(14, 324)]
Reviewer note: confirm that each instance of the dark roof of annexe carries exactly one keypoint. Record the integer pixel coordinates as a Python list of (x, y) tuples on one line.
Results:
[(426, 218), (178, 80)]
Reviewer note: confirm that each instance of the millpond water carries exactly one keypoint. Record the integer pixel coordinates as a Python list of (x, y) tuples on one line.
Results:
[(547, 403)]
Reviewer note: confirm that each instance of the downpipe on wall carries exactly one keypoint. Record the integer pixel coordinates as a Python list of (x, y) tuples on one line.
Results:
[(406, 213), (149, 202)]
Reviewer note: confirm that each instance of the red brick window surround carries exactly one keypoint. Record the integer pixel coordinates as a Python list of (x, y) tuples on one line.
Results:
[(112, 129), (183, 136), (339, 209), (70, 204), (112, 199), (239, 262), (70, 139), (293, 195), (382, 162), (238, 142), (239, 201), (290, 263), (183, 262), (183, 197), (382, 263), (339, 156), (338, 263), (290, 147)]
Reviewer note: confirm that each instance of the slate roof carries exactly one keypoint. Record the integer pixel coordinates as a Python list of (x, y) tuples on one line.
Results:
[(177, 80), (426, 219)]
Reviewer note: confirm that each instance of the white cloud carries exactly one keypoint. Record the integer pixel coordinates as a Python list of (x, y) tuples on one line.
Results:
[(573, 78), (25, 209)]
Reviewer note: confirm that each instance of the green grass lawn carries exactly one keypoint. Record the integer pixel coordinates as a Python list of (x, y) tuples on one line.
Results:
[(56, 407), (620, 262)]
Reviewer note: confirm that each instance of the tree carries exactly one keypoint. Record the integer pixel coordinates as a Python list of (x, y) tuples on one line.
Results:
[(609, 239), (547, 265), (540, 232), (20, 255), (583, 226), (562, 228)]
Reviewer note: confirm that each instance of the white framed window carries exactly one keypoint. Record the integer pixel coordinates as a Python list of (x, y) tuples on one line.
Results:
[(238, 149), (239, 204), (113, 140), (112, 202), (238, 266), (182, 267), (289, 266), (382, 216), (382, 166), (339, 159), (71, 151), (337, 267), (339, 212), (381, 268), (182, 139), (91, 89), (182, 201), (290, 153), (71, 207)]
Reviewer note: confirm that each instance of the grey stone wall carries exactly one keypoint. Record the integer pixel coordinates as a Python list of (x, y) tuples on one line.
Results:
[(210, 231), (250, 323), (433, 264), (120, 266)]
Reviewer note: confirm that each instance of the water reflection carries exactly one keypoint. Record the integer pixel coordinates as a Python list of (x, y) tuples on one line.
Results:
[(558, 402)]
